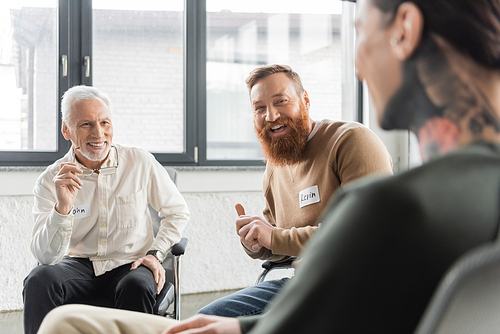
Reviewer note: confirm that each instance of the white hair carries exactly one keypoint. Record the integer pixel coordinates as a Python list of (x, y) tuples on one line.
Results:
[(78, 93)]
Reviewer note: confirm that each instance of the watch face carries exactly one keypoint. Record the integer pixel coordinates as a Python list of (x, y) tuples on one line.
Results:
[(160, 256)]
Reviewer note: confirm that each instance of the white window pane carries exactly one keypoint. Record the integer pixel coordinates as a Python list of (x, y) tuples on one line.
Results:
[(244, 35), (138, 62), (28, 75)]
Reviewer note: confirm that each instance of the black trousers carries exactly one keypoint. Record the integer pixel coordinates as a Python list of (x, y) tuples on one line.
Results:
[(72, 280)]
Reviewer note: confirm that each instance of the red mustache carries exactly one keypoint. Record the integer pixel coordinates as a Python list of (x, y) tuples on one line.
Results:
[(279, 121)]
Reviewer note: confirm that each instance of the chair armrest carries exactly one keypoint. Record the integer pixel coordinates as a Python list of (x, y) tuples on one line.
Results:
[(271, 265), (180, 247)]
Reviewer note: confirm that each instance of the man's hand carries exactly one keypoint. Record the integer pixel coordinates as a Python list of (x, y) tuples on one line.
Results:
[(254, 231), (207, 324), (67, 184), (155, 266)]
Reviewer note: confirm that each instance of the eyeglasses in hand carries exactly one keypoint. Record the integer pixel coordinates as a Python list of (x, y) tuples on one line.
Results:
[(103, 171)]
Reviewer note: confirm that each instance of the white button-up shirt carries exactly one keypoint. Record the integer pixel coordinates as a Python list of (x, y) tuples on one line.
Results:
[(110, 222)]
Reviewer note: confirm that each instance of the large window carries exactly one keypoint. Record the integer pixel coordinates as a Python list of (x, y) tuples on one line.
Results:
[(137, 48), (242, 35), (174, 71), (28, 75)]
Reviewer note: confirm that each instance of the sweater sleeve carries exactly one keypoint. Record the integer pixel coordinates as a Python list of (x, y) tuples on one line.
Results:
[(359, 152), (264, 253), (285, 242), (268, 254), (291, 241)]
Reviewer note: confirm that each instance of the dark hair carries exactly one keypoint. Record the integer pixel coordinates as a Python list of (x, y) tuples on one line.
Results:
[(471, 26), (264, 71)]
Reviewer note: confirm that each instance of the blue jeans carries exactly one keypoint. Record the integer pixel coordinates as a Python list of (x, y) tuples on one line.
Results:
[(249, 301)]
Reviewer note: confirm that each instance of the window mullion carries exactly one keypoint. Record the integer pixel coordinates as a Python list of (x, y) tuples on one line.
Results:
[(86, 59), (194, 82), (64, 73)]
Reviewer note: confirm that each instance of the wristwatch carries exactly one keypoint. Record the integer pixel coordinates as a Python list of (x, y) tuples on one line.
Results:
[(159, 255)]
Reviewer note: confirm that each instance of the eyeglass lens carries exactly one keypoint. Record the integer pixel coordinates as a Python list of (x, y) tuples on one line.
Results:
[(108, 170), (86, 172)]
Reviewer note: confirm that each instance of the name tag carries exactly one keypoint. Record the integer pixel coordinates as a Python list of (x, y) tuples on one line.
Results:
[(81, 211), (309, 196)]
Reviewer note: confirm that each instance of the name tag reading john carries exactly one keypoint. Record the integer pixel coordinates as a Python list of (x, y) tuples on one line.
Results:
[(81, 211), (309, 196)]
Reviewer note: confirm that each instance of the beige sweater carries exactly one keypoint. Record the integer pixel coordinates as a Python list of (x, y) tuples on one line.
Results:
[(338, 152)]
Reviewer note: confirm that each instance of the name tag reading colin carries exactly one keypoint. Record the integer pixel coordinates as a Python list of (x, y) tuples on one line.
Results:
[(81, 211), (309, 196)]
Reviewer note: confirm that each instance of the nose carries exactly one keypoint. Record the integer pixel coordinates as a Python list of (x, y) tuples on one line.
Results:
[(272, 114), (98, 131)]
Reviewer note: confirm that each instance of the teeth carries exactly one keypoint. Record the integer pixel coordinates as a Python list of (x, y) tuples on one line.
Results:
[(96, 144), (276, 127)]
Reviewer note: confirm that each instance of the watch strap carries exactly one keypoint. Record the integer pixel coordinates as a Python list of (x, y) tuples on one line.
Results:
[(157, 254)]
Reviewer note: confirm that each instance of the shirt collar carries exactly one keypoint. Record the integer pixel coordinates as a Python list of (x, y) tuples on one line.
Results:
[(314, 130)]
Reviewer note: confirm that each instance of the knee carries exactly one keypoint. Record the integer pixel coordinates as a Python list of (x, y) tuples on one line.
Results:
[(138, 284), (59, 320), (64, 313), (218, 307), (208, 310), (40, 277)]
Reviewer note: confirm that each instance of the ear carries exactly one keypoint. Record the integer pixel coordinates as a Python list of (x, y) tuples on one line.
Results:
[(407, 30), (305, 99), (65, 131)]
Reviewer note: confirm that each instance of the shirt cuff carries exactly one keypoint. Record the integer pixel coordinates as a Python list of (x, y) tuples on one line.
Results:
[(280, 241), (255, 255), (61, 221)]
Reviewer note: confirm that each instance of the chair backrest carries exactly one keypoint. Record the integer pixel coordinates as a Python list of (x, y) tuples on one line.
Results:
[(172, 173), (468, 298), (155, 218)]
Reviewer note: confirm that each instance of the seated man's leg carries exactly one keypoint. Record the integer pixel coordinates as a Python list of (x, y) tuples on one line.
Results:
[(49, 286), (249, 301), (73, 319), (134, 290)]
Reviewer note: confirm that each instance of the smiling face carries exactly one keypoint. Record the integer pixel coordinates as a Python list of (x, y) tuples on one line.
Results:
[(90, 130), (281, 118), (376, 61)]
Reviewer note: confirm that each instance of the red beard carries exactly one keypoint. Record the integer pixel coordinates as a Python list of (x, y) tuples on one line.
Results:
[(287, 149)]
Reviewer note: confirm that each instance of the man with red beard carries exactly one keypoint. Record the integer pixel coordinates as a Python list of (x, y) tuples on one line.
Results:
[(307, 161), (92, 233)]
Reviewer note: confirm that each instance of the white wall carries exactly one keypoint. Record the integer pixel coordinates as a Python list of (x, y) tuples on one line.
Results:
[(213, 261)]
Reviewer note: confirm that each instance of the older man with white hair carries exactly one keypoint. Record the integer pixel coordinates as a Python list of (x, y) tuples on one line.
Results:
[(92, 233)]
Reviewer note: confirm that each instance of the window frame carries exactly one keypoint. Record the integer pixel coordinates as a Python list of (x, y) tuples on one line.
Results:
[(74, 39)]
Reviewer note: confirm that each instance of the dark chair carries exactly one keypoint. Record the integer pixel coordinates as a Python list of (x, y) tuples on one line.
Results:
[(170, 293), (268, 266), (468, 297)]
